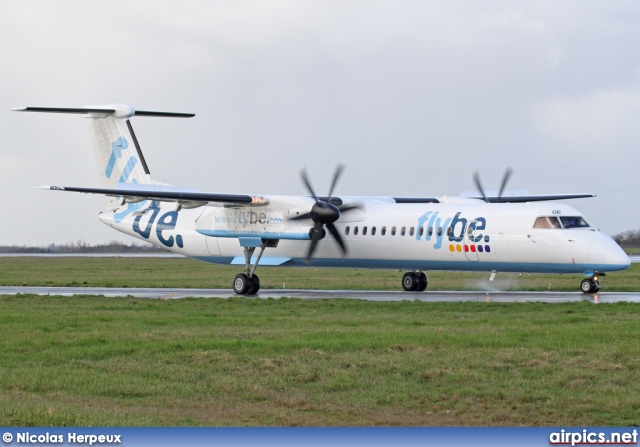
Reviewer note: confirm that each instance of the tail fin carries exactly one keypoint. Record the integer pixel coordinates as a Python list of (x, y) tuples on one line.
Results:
[(118, 155)]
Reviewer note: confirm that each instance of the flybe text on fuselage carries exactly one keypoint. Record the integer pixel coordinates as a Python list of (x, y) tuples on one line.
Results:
[(455, 229), (246, 218)]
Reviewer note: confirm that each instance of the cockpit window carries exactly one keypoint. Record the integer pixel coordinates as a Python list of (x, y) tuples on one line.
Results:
[(573, 222), (547, 222), (562, 222)]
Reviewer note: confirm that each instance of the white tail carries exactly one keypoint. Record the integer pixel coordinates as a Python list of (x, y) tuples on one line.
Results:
[(118, 155)]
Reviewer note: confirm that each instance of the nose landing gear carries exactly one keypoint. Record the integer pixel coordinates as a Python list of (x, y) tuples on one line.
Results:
[(590, 285)]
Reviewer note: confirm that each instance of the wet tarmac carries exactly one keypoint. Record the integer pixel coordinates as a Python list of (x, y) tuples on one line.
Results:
[(369, 295)]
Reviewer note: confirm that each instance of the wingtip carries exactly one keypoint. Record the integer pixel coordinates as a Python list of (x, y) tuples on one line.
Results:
[(51, 187)]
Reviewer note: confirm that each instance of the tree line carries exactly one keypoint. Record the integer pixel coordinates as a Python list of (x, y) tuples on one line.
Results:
[(629, 238), (83, 247)]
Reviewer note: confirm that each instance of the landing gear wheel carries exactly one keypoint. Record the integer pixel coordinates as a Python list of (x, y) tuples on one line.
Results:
[(255, 285), (410, 282), (422, 282), (585, 285), (241, 284), (589, 285)]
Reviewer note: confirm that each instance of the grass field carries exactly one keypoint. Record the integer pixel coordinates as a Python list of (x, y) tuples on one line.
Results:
[(183, 272), (78, 361), (243, 361)]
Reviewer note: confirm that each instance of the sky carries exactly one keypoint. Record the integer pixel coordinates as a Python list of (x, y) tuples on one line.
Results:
[(412, 96)]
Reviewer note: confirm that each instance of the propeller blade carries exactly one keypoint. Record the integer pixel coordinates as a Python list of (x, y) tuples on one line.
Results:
[(312, 248), (505, 179), (315, 237), (350, 207), (339, 170), (303, 216), (336, 235), (476, 179), (303, 174)]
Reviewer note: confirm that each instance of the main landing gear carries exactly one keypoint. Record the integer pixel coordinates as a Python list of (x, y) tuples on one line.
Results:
[(590, 285), (243, 284), (414, 282), (248, 283)]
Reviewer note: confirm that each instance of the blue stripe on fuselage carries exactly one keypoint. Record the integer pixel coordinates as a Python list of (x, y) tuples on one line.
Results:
[(513, 267)]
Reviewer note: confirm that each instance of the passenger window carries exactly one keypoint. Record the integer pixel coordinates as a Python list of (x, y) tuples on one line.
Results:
[(449, 231), (440, 231), (373, 231), (346, 230), (430, 231), (383, 231), (393, 231), (411, 231), (403, 231), (364, 231), (421, 231), (355, 231)]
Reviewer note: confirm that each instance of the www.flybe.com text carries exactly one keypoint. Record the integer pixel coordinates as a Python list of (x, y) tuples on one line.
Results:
[(249, 218)]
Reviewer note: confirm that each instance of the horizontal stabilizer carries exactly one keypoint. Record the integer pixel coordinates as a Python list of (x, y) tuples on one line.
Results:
[(118, 110), (64, 110), (164, 114)]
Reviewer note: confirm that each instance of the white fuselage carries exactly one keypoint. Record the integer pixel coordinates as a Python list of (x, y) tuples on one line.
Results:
[(365, 232), (458, 234)]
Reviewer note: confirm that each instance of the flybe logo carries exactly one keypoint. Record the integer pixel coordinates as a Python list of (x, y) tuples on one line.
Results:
[(117, 151), (462, 233), (165, 223)]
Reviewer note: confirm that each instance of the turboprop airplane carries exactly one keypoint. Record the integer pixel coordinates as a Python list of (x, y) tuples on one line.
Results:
[(523, 233)]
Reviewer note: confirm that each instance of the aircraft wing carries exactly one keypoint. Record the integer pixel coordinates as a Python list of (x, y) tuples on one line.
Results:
[(533, 198), (132, 193), (166, 195)]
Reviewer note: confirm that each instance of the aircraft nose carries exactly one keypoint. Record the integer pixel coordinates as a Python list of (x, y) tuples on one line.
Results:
[(618, 257), (613, 256)]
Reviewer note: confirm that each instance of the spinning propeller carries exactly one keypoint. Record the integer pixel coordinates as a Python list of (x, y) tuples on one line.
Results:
[(505, 179), (324, 214)]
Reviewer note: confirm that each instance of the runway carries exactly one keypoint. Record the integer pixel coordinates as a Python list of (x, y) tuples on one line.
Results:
[(369, 295)]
